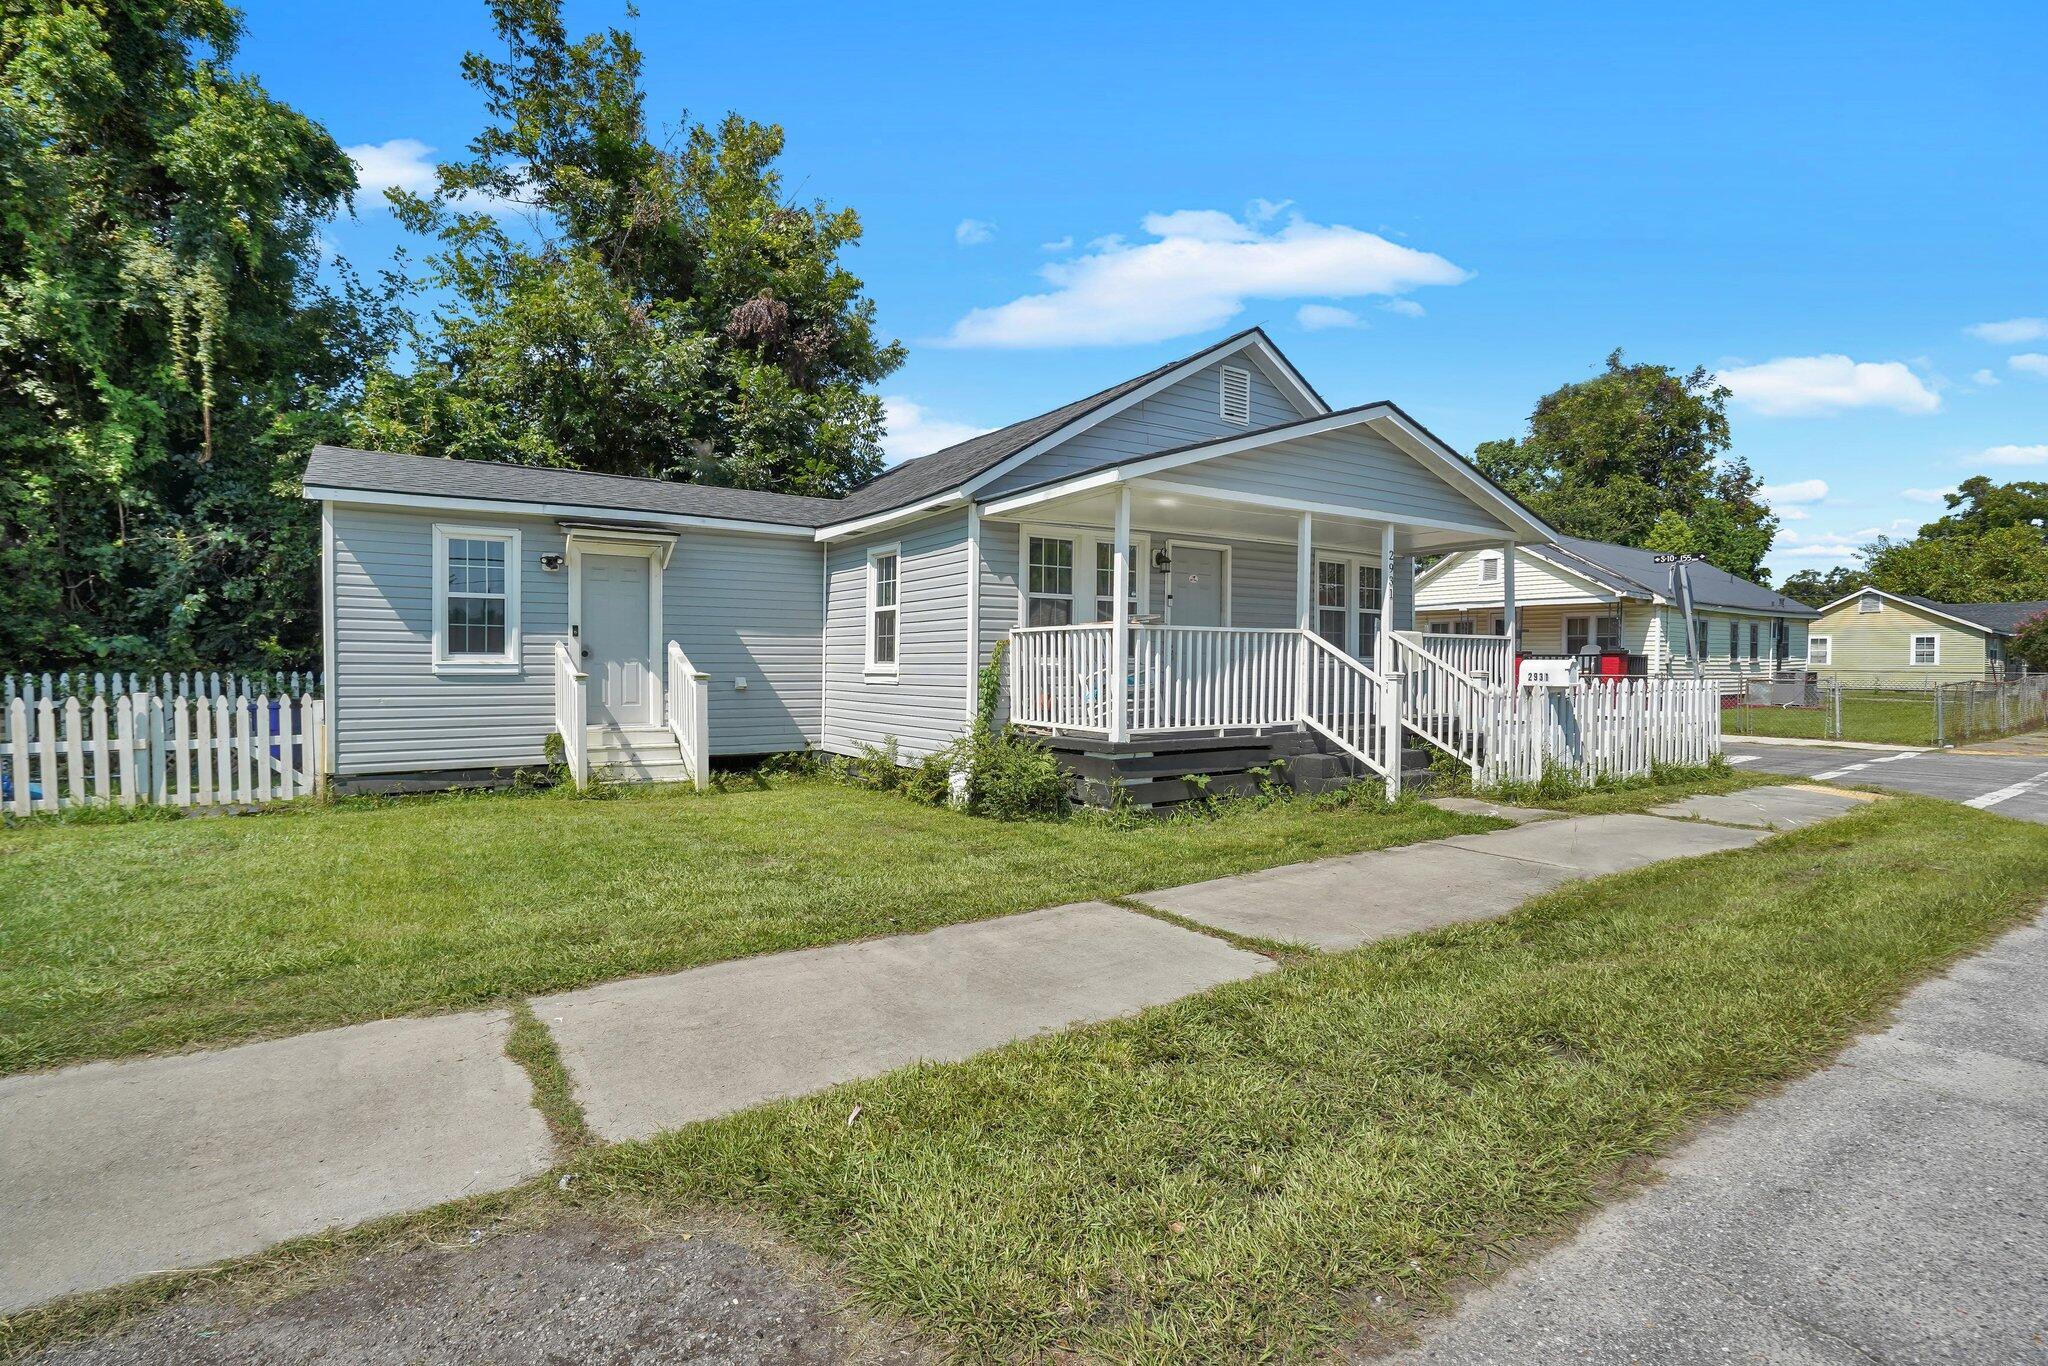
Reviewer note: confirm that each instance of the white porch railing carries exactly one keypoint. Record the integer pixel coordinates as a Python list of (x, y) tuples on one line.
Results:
[(1443, 703), (1212, 678), (572, 711), (689, 713), (1348, 703), (1488, 659)]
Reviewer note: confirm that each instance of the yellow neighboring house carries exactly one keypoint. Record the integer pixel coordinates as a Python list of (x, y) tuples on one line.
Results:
[(1871, 637)]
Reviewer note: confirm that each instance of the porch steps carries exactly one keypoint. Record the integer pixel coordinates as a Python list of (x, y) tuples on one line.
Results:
[(1159, 773), (637, 754)]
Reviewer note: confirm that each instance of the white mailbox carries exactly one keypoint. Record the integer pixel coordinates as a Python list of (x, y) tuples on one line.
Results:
[(1549, 673)]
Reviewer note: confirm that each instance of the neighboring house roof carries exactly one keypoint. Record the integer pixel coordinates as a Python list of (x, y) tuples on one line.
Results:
[(425, 476), (1635, 573), (1996, 618)]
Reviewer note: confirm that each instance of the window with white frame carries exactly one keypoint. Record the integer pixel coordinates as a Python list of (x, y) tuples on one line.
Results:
[(1734, 642), (1753, 634), (885, 569), (1926, 649), (1820, 651), (1050, 587), (1591, 633), (1333, 601), (476, 590), (1105, 579), (1368, 611)]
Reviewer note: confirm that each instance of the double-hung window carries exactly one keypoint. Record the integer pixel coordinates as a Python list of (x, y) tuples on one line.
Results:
[(1368, 611), (1754, 656), (1820, 650), (1926, 649), (476, 598), (1333, 592), (1051, 586), (1105, 580), (885, 571)]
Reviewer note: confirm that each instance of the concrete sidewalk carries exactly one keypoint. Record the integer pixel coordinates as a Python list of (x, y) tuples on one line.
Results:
[(112, 1170), (1891, 1207)]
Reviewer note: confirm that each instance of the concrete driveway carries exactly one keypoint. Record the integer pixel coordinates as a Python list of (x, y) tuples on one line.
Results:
[(2011, 782), (1892, 1207)]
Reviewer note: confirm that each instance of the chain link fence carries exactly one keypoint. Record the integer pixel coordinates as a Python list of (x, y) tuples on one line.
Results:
[(1907, 712)]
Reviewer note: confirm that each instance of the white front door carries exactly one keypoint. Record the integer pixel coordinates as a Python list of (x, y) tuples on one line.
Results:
[(1196, 585), (616, 638)]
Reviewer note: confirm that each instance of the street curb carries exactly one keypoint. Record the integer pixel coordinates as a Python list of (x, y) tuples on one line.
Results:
[(1826, 744)]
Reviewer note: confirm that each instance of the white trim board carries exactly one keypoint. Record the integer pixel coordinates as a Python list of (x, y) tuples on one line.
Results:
[(654, 521), (1912, 606), (513, 660)]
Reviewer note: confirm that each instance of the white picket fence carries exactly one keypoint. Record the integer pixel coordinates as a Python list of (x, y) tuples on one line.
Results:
[(1620, 727), (198, 742)]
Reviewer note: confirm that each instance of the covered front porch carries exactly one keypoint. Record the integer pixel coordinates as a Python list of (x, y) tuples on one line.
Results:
[(1243, 612)]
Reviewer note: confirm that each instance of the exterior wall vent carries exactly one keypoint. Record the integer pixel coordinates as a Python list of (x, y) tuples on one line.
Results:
[(1237, 395), (1870, 602)]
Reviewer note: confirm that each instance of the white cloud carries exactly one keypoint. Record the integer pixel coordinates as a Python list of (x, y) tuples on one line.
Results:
[(2014, 455), (1407, 308), (400, 164), (1984, 378), (1822, 545), (2010, 331), (913, 430), (1200, 271), (1798, 491), (1936, 497), (972, 232), (1059, 244), (1805, 386), (1317, 317), (1791, 512), (2030, 363)]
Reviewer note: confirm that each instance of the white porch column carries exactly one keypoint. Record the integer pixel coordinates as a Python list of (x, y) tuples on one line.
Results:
[(1304, 605), (1507, 596), (1383, 658), (1120, 628)]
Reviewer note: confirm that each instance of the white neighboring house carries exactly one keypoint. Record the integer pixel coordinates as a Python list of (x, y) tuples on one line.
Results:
[(1256, 545), (1577, 597)]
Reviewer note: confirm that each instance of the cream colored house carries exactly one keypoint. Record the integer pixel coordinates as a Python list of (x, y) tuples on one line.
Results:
[(1871, 637), (1573, 596)]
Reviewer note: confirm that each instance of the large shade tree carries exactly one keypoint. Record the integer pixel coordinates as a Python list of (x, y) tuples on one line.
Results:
[(1991, 545), (168, 351), (615, 301), (1638, 455)]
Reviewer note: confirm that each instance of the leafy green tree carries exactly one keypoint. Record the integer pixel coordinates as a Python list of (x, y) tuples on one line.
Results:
[(168, 353), (1670, 534), (1817, 588), (2029, 644), (1978, 506), (2007, 564), (629, 305), (1610, 456)]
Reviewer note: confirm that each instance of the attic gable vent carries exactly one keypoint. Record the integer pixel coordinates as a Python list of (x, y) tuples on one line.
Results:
[(1237, 395), (1870, 602)]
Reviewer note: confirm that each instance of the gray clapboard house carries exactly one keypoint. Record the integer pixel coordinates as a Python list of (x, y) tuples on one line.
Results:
[(474, 609)]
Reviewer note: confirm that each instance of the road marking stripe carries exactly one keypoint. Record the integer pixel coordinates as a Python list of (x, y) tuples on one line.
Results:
[(1852, 768), (1742, 758), (2006, 794)]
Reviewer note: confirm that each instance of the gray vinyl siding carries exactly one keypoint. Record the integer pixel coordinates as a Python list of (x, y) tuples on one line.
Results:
[(752, 608), (1179, 415), (741, 607), (924, 707), (1350, 468), (392, 712)]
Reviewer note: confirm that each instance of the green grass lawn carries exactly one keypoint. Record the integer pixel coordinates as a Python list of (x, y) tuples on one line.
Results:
[(1235, 1176), (1636, 794), (125, 938), (1882, 719)]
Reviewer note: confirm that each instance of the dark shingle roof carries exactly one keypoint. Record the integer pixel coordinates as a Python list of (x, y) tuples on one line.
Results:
[(1635, 572), (432, 476), (2001, 618), (910, 482)]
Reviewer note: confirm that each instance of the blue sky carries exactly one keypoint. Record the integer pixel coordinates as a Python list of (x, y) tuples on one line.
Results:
[(1841, 209)]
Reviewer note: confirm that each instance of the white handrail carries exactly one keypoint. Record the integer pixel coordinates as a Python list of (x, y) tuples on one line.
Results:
[(689, 713), (1346, 702), (1487, 661), (1446, 706), (1179, 678), (572, 712)]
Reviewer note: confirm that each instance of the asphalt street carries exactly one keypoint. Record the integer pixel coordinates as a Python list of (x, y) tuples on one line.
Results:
[(2010, 784)]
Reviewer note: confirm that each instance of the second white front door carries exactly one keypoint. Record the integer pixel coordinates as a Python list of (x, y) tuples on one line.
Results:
[(616, 639)]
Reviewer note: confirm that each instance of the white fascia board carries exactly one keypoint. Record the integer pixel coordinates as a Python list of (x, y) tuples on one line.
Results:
[(1909, 605), (1286, 378), (1460, 474), (657, 521), (1613, 594), (1358, 511), (894, 516)]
